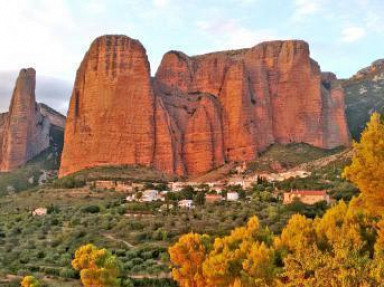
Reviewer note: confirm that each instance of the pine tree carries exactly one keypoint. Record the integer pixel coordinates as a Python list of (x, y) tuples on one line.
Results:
[(367, 168), (30, 281), (98, 267), (187, 257)]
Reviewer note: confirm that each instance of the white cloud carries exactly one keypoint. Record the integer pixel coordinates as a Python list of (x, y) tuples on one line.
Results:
[(305, 8), (35, 32), (160, 3), (372, 15), (245, 2), (229, 34), (94, 7), (352, 34)]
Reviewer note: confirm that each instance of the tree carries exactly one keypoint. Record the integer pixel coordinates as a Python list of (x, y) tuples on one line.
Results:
[(367, 168), (98, 267), (240, 259), (187, 257), (203, 187), (258, 266), (161, 186), (242, 194), (332, 251), (343, 248), (200, 198), (298, 234), (187, 192), (30, 281), (138, 195)]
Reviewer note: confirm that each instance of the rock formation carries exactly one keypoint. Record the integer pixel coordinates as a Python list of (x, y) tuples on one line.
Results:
[(25, 129), (111, 113), (199, 112)]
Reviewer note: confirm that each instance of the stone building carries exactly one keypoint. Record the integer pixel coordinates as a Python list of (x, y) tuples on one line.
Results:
[(306, 196)]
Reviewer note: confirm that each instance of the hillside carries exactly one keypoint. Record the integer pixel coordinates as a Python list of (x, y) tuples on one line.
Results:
[(277, 158), (138, 233), (133, 173), (364, 94), (41, 168)]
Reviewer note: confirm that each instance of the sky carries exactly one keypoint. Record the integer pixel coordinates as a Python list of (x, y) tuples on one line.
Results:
[(53, 35)]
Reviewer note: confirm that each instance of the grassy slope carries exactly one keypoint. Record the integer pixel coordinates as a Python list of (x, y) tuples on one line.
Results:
[(276, 157), (33, 243), (19, 179), (288, 156), (123, 172)]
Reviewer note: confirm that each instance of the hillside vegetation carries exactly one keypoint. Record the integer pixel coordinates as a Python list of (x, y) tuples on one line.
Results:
[(344, 247), (363, 97), (281, 157)]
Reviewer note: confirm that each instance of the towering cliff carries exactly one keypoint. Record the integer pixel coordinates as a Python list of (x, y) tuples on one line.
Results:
[(198, 112), (111, 113), (25, 129)]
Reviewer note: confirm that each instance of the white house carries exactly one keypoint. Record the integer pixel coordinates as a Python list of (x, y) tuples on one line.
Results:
[(177, 186), (149, 195), (232, 196), (186, 203), (162, 195), (39, 211)]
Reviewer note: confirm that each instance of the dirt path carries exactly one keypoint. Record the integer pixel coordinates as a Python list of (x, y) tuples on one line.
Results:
[(110, 236), (159, 276)]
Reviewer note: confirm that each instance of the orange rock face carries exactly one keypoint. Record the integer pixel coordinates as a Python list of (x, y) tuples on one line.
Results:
[(198, 112), (111, 114), (25, 129)]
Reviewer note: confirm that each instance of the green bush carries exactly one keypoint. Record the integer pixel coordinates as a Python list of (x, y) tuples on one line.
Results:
[(67, 273), (91, 209)]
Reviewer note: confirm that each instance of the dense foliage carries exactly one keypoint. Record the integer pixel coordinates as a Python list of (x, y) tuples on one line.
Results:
[(344, 247), (97, 267), (30, 281), (366, 170)]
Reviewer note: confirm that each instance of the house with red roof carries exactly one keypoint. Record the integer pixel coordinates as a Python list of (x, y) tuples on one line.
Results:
[(211, 198), (306, 196)]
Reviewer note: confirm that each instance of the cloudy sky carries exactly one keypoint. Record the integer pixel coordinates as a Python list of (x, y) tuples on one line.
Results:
[(53, 35)]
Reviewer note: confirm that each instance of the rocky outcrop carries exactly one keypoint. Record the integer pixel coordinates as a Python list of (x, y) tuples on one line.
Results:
[(25, 129), (198, 112), (56, 119), (375, 68)]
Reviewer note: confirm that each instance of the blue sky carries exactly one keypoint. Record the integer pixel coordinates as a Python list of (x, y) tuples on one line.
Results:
[(53, 35)]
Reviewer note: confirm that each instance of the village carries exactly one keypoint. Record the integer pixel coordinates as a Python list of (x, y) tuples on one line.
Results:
[(232, 190), (190, 194)]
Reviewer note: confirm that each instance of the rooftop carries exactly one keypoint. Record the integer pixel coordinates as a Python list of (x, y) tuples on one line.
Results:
[(309, 192)]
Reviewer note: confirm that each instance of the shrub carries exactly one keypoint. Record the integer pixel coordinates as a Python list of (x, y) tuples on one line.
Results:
[(67, 273), (91, 209)]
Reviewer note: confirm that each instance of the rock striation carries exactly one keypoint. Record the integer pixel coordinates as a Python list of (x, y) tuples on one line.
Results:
[(25, 129), (198, 112)]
